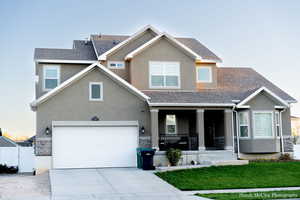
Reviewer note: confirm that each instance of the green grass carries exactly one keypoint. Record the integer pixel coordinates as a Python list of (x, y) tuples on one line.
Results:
[(254, 195), (254, 175)]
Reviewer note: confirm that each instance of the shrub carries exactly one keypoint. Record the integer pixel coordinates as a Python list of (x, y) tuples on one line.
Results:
[(285, 157), (173, 156), (4, 169)]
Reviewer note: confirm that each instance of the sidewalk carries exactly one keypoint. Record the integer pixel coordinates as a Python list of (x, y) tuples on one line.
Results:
[(239, 190)]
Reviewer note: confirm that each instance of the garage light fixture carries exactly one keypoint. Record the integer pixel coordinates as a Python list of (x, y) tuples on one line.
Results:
[(47, 131)]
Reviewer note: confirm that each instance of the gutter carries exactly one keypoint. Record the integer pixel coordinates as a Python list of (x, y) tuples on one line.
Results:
[(281, 135)]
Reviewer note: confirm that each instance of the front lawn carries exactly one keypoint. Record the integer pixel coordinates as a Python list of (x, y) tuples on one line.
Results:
[(254, 175), (254, 195)]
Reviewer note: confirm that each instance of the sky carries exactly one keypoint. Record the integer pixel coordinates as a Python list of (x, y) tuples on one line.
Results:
[(263, 35)]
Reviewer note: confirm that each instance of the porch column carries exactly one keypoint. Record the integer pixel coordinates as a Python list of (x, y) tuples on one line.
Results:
[(200, 129), (228, 129), (154, 129)]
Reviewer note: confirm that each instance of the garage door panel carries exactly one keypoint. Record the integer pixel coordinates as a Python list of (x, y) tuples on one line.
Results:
[(91, 147)]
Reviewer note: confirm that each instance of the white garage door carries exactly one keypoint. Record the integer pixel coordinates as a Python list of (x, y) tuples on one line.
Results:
[(94, 144)]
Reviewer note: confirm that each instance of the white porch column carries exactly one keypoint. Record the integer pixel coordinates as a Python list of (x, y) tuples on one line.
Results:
[(228, 129), (154, 129), (200, 129)]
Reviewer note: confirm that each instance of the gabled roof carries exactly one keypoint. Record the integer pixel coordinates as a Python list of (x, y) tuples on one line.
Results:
[(196, 56), (82, 73), (257, 92), (126, 41)]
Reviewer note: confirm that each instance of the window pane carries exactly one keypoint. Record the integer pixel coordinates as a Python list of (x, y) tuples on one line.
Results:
[(96, 91), (171, 69), (119, 65), (171, 129), (263, 124), (243, 117), (112, 64), (171, 119), (51, 73), (243, 131), (171, 81), (50, 83), (156, 68), (204, 74), (157, 80)]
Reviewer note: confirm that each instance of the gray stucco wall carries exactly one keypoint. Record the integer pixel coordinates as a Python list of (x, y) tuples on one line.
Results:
[(72, 104), (66, 72), (263, 102), (163, 50), (120, 54)]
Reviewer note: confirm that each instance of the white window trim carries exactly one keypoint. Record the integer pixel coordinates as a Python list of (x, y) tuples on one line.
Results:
[(166, 125), (163, 87), (57, 67), (278, 124), (248, 124), (116, 62), (253, 119), (210, 74), (101, 91)]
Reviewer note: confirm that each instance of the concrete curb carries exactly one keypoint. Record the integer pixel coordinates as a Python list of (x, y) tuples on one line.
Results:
[(239, 190)]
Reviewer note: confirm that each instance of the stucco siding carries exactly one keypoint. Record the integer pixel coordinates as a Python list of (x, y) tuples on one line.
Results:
[(66, 72), (72, 104), (120, 54), (162, 50)]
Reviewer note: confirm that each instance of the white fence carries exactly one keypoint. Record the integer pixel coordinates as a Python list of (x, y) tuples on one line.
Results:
[(23, 157)]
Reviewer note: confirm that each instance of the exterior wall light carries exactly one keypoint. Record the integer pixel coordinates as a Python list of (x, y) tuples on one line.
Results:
[(47, 131), (142, 130)]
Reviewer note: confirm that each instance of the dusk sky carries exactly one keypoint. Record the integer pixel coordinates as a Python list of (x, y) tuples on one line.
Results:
[(263, 35)]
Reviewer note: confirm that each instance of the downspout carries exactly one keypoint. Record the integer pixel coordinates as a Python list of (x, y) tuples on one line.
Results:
[(281, 135), (237, 131)]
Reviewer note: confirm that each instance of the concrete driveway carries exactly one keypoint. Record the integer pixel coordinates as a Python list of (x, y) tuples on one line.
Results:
[(111, 184)]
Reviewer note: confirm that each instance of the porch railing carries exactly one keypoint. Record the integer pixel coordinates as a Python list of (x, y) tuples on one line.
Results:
[(179, 141)]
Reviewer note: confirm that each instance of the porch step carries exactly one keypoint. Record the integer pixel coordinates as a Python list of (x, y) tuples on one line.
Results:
[(212, 156)]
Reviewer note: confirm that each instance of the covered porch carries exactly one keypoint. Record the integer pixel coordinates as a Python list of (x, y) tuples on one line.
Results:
[(197, 129)]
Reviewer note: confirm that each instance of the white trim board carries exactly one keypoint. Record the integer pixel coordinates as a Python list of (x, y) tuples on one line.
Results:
[(192, 104), (135, 52), (65, 61), (258, 91), (103, 56), (80, 74)]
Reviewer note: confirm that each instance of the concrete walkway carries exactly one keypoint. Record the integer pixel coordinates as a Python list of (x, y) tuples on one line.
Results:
[(239, 190), (112, 184)]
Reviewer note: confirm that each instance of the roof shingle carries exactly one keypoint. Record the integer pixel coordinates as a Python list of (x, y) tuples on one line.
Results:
[(233, 84)]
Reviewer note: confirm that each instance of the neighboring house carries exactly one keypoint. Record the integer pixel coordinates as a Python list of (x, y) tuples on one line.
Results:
[(27, 143), (295, 122), (96, 103)]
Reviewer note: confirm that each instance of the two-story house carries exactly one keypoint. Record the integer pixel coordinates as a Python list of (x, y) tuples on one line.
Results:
[(99, 101)]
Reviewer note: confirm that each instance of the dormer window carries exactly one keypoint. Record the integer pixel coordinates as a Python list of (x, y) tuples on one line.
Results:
[(51, 77), (116, 64), (164, 74), (204, 74)]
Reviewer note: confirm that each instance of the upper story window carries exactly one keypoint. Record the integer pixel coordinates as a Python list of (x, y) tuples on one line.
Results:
[(263, 124), (116, 64), (204, 74), (171, 124), (164, 74), (96, 91), (51, 76), (244, 124)]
